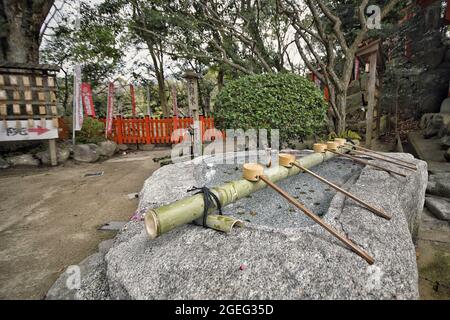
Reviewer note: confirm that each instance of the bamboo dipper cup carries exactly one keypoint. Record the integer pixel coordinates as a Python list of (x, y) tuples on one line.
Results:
[(286, 160), (340, 141), (252, 171), (319, 147), (331, 145)]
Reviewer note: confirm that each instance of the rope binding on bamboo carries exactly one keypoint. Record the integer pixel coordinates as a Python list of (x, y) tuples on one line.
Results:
[(210, 200)]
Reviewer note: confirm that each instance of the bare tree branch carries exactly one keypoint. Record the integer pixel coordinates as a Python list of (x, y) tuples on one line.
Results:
[(221, 25), (334, 19), (305, 59)]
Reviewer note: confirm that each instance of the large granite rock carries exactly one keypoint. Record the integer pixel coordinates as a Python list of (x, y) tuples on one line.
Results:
[(285, 255), (445, 141), (23, 160), (93, 284), (4, 164), (86, 152), (445, 106), (62, 154), (146, 147), (132, 146), (107, 148), (439, 184), (283, 262), (439, 207), (435, 124), (445, 130)]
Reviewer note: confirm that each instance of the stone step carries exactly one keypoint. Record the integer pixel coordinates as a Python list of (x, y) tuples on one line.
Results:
[(429, 150)]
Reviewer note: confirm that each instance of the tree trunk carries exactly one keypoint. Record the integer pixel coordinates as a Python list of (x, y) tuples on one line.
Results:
[(220, 76), (66, 90), (341, 105), (201, 102), (19, 38), (159, 72), (162, 94), (331, 114)]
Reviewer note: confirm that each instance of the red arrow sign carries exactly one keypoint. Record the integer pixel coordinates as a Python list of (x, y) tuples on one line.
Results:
[(39, 130)]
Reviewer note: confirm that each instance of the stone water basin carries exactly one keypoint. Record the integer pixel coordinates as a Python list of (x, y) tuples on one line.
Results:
[(280, 253), (267, 207)]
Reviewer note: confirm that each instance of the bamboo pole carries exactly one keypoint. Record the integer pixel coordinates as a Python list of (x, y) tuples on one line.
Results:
[(319, 221), (165, 218), (367, 163), (381, 156), (222, 223), (376, 211), (407, 167)]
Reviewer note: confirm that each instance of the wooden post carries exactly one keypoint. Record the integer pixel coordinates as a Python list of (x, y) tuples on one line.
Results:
[(371, 99), (379, 113), (192, 90), (151, 124), (52, 151), (119, 130), (158, 130), (147, 129)]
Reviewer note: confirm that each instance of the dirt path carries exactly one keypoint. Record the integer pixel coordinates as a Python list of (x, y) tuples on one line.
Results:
[(49, 217)]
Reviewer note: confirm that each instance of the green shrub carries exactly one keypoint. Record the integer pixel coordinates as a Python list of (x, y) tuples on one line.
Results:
[(92, 131), (283, 101)]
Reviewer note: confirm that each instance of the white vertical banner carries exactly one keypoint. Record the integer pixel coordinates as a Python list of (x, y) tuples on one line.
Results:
[(110, 109), (77, 102)]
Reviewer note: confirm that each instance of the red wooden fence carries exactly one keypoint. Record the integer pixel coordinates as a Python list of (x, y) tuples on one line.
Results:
[(154, 131)]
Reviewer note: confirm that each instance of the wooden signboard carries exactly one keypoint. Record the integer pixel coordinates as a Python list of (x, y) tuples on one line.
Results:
[(21, 131), (28, 106)]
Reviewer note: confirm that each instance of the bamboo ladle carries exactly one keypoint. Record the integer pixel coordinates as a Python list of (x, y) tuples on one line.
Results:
[(413, 165), (405, 166), (367, 163), (255, 172), (288, 160)]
